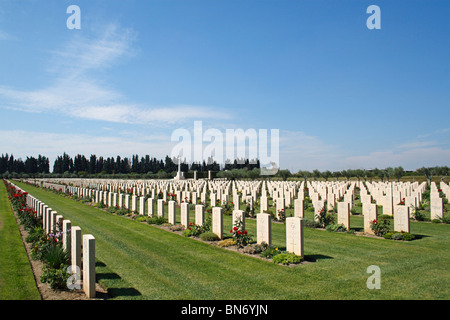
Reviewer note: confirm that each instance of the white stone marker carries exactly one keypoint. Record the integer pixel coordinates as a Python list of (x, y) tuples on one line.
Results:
[(172, 217), (184, 214), (142, 206), (213, 198), (370, 214), (217, 221), (76, 249), (150, 207), (344, 214), (133, 203), (294, 235), (436, 208), (127, 202), (298, 208), (160, 208), (401, 219), (199, 214), (89, 265), (66, 238), (264, 204), (121, 200), (264, 228)]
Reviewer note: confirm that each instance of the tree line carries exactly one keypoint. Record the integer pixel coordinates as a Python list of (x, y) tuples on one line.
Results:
[(151, 167), (31, 165), (386, 174), (82, 166)]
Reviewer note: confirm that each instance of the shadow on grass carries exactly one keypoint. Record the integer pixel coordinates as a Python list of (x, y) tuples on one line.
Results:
[(420, 236), (123, 292), (113, 283), (316, 257)]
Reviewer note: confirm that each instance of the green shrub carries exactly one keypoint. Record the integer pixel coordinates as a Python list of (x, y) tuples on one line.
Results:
[(397, 236), (187, 233), (55, 278), (112, 209), (156, 220), (287, 258), (227, 243), (408, 236), (388, 235), (209, 236), (55, 256), (381, 226), (35, 235), (240, 234), (418, 215), (197, 230), (324, 218), (270, 252), (121, 212), (336, 228), (405, 236), (446, 219), (40, 247), (310, 223), (177, 227), (141, 218), (256, 248), (100, 205)]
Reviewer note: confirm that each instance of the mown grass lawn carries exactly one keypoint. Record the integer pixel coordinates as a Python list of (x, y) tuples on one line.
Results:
[(139, 261), (16, 276)]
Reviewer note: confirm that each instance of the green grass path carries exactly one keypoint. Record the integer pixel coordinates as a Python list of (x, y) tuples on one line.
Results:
[(16, 276), (139, 261)]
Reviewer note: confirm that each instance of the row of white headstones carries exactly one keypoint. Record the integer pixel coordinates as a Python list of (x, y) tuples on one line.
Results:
[(81, 248), (139, 204), (401, 198)]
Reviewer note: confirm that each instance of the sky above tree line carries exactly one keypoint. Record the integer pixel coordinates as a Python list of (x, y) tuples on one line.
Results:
[(341, 95)]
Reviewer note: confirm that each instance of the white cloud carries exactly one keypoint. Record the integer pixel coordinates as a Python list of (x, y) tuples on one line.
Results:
[(76, 91), (299, 151)]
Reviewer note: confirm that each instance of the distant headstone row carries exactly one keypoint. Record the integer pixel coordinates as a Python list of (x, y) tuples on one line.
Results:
[(398, 199)]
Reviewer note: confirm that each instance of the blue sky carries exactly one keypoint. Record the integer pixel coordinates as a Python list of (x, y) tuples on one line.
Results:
[(342, 96)]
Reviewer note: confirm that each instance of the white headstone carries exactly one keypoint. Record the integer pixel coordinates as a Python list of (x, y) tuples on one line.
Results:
[(294, 235), (401, 219), (185, 214), (171, 213), (263, 228), (344, 214), (217, 221), (89, 265)]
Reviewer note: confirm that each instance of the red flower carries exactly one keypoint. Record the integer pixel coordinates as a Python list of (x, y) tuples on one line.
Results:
[(235, 228), (239, 232), (245, 231)]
